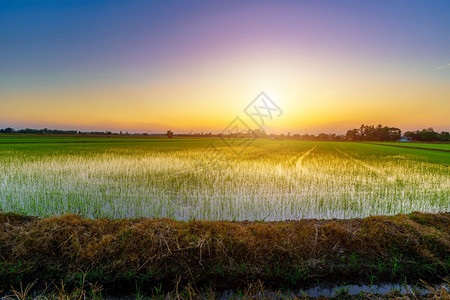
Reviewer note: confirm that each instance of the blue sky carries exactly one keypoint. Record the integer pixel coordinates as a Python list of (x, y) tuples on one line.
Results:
[(158, 51)]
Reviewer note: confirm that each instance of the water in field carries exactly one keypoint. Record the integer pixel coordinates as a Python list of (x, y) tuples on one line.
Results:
[(192, 178), (343, 291)]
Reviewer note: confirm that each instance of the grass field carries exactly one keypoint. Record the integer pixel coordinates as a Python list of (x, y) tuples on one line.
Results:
[(185, 179), (440, 146)]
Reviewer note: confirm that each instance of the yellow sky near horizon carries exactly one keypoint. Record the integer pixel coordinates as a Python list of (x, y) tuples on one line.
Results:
[(152, 66), (207, 99)]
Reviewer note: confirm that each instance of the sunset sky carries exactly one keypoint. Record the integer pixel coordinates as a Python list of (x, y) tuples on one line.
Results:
[(195, 65)]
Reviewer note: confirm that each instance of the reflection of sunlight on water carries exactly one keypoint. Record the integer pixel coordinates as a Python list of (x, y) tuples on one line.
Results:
[(352, 289)]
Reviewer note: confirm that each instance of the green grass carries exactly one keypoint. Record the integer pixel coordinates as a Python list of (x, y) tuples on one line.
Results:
[(44, 139), (183, 179), (441, 146)]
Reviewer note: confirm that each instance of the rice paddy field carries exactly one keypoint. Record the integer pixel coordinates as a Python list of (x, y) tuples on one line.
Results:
[(437, 146), (205, 178)]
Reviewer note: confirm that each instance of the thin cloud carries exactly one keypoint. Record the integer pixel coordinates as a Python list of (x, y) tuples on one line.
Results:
[(437, 68), (444, 66)]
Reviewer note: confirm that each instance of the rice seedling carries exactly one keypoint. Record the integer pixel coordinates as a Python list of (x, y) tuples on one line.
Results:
[(182, 179)]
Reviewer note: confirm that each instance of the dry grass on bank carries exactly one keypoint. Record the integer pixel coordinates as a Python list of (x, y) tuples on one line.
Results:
[(125, 255)]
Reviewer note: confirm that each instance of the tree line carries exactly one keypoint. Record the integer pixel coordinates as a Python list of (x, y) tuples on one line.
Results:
[(363, 133), (66, 132), (374, 133), (428, 135), (386, 133)]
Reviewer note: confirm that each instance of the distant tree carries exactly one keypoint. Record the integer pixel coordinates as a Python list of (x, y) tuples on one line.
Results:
[(353, 134), (428, 135), (259, 133), (372, 133), (413, 135), (322, 136), (444, 136), (169, 134)]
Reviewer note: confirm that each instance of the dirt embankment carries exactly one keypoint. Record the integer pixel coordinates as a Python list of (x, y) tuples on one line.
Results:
[(120, 255)]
